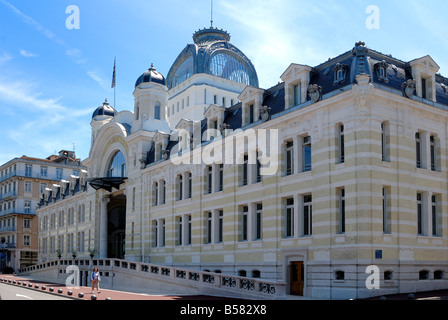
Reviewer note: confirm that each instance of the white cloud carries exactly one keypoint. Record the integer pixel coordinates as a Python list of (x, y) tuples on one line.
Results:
[(20, 94), (27, 54), (5, 57)]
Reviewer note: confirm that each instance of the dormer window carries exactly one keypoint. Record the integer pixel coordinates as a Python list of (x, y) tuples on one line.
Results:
[(339, 73), (381, 71)]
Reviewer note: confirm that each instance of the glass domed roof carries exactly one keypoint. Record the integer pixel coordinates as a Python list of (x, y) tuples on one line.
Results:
[(213, 54)]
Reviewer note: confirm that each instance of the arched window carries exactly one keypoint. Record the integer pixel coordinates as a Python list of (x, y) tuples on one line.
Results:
[(117, 167), (225, 66), (183, 72)]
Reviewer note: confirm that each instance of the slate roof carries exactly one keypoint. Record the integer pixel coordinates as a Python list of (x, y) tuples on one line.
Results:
[(360, 58)]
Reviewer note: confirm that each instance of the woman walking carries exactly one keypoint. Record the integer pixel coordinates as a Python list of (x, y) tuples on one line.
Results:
[(95, 278)]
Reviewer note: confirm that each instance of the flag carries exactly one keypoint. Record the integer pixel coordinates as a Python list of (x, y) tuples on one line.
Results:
[(114, 75)]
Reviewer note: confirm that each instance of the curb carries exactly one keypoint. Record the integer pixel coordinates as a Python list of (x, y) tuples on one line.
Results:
[(65, 295)]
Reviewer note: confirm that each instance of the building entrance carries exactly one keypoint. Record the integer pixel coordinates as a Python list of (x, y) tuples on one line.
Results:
[(116, 227), (297, 282)]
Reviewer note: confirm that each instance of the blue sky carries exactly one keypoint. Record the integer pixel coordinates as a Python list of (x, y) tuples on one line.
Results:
[(53, 78)]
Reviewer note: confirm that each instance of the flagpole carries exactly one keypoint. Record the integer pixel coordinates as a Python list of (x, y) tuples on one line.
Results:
[(115, 84)]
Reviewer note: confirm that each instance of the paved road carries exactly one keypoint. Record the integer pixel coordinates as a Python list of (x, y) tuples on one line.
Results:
[(8, 292)]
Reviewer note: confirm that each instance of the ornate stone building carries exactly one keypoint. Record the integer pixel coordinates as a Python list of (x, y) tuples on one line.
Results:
[(338, 167)]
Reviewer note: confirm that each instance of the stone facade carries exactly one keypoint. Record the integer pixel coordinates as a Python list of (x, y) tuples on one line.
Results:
[(337, 168)]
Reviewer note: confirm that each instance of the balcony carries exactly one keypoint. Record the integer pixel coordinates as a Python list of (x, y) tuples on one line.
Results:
[(8, 195), (33, 174), (7, 246), (17, 211), (7, 229)]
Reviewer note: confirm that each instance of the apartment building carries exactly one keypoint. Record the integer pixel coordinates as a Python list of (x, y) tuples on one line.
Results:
[(22, 181)]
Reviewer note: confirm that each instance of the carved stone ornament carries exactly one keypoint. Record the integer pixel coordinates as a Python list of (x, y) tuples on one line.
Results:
[(315, 92), (265, 113), (363, 93), (224, 126), (165, 154), (409, 88)]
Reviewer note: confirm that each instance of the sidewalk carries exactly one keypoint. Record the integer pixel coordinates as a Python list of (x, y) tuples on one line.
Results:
[(105, 294)]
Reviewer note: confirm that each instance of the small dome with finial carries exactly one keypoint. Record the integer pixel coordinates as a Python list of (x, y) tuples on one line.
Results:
[(151, 75), (104, 110)]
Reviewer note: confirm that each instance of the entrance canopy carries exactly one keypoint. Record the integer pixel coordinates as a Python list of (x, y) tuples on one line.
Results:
[(106, 183)]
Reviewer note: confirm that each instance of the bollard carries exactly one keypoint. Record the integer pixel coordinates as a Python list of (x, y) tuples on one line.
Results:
[(60, 291), (81, 295), (44, 287), (69, 293), (36, 286), (93, 297), (108, 298), (51, 289)]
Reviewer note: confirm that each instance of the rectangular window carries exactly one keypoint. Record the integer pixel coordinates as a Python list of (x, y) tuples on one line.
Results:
[(188, 240), (26, 241), (27, 186), (209, 228), (341, 210), (26, 223), (384, 142), (43, 171), (386, 212), (163, 196), (435, 216), (251, 114), (289, 161), (189, 185), (259, 221), (155, 195), (433, 152), (424, 89), (155, 234), (28, 170), (180, 187), (418, 150), (419, 214), (221, 177), (59, 172), (220, 226), (307, 154), (163, 233), (209, 179), (258, 176), (245, 170), (289, 218), (307, 215), (297, 94), (179, 231), (244, 223), (341, 144), (27, 206)]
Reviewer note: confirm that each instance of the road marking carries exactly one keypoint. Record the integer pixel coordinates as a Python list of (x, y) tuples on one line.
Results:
[(23, 296)]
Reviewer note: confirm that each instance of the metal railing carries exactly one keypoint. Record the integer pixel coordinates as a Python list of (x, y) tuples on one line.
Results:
[(267, 289)]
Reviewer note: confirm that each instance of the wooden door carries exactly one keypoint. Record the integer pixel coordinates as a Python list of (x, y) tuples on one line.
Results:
[(296, 271)]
